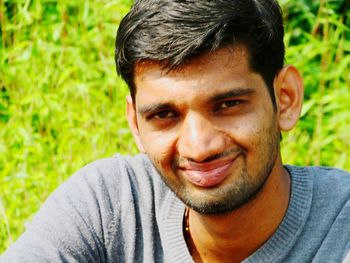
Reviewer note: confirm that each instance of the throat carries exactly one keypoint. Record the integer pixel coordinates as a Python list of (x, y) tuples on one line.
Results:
[(238, 234)]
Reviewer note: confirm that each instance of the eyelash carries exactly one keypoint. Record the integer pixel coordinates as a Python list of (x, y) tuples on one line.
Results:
[(162, 115), (169, 114), (232, 103)]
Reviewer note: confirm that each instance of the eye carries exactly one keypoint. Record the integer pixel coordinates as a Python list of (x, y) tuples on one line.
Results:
[(165, 114), (228, 104)]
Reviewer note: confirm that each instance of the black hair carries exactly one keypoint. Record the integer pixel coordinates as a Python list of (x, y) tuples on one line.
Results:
[(175, 31)]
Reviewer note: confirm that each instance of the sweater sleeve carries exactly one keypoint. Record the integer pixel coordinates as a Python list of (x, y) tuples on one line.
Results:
[(71, 225)]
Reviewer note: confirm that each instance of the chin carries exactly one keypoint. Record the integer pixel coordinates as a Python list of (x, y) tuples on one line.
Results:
[(223, 198), (224, 202)]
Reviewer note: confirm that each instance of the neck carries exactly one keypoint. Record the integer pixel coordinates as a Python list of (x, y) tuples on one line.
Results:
[(237, 234)]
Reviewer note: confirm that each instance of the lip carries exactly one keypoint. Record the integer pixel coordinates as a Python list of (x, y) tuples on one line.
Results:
[(207, 174)]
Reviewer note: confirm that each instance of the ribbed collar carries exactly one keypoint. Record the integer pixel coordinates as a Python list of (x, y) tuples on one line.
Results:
[(275, 249)]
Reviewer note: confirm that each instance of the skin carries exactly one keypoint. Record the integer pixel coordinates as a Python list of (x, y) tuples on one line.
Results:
[(212, 132)]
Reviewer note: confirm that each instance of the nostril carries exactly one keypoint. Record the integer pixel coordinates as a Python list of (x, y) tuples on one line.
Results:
[(199, 139)]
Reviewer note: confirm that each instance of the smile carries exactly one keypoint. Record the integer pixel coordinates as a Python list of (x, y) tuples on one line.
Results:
[(207, 174)]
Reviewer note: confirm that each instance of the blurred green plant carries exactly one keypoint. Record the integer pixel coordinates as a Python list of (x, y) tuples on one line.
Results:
[(62, 104), (318, 41)]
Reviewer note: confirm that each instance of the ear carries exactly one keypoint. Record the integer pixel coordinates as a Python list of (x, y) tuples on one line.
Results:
[(289, 91), (132, 120)]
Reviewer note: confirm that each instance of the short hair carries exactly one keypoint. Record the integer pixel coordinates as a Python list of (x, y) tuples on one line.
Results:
[(175, 31)]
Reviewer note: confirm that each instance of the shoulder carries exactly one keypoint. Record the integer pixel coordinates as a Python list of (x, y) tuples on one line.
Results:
[(84, 216), (329, 172), (323, 178), (330, 180), (330, 190), (117, 165), (109, 183), (99, 191), (109, 174), (116, 182), (327, 219), (102, 183), (331, 211)]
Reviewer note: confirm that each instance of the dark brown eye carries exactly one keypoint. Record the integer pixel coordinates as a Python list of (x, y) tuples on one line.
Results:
[(229, 104), (164, 114)]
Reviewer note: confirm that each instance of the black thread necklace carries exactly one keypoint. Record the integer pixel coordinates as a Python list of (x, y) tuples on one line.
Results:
[(186, 230)]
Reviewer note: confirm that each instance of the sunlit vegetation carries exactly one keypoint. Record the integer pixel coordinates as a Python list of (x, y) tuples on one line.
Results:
[(318, 43), (62, 104)]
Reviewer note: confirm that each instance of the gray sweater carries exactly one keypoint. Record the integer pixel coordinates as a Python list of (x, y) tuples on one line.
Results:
[(119, 210)]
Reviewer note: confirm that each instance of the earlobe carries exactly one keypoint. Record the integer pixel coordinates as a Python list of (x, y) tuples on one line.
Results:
[(289, 90), (132, 121)]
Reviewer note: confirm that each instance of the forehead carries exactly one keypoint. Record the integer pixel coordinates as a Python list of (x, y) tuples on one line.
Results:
[(228, 57), (198, 81)]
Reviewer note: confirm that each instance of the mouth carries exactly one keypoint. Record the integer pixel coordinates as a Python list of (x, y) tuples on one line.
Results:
[(208, 174)]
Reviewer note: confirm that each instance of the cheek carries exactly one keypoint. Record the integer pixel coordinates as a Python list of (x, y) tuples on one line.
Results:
[(251, 132), (244, 130), (160, 147)]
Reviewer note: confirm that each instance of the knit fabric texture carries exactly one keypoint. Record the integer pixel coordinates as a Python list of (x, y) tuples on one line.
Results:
[(119, 210)]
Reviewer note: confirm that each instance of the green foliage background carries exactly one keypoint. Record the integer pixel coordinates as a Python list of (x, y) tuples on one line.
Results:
[(62, 104)]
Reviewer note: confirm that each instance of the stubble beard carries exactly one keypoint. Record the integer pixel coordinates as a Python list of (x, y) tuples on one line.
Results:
[(242, 190)]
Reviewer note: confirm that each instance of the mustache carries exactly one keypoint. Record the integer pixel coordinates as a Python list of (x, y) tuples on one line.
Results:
[(179, 161)]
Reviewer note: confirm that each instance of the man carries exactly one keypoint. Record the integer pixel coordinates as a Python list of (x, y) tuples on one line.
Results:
[(209, 98)]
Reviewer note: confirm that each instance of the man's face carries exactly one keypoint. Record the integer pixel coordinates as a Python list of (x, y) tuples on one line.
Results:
[(209, 128)]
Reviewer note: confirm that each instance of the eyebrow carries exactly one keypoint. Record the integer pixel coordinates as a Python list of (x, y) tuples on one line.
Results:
[(237, 92), (231, 94), (154, 108)]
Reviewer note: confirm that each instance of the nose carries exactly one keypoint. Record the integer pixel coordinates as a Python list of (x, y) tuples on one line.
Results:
[(199, 138)]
